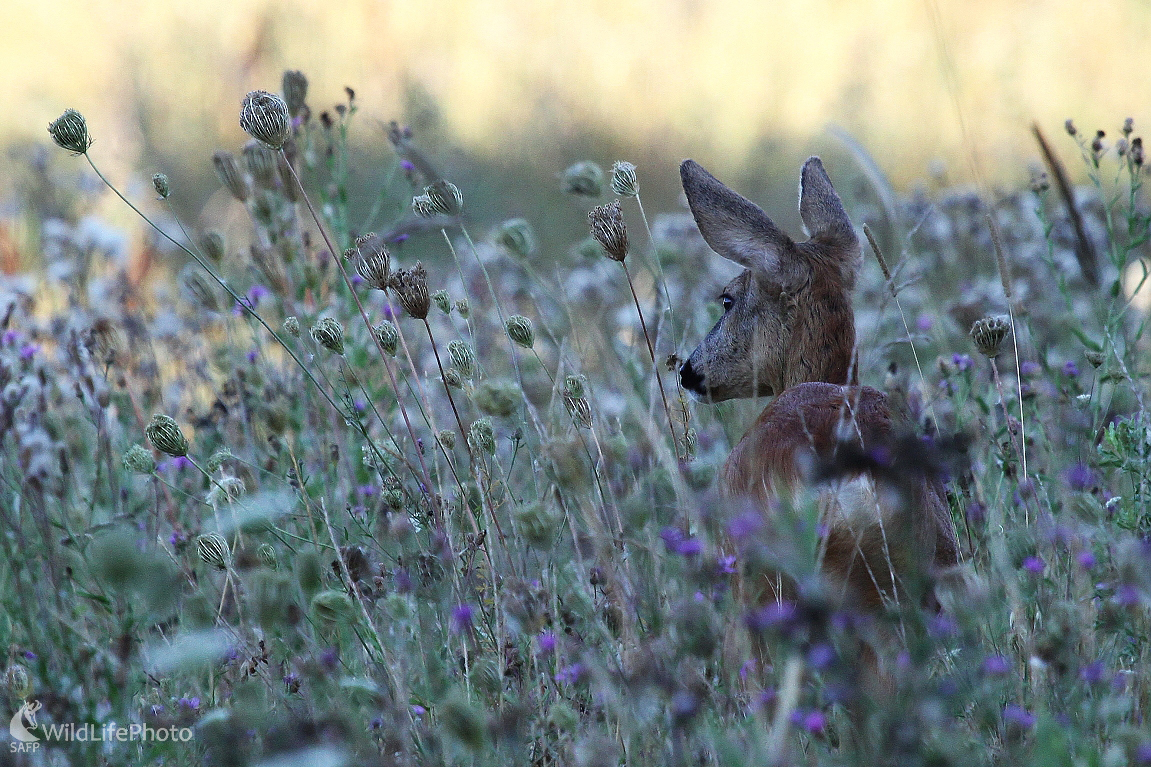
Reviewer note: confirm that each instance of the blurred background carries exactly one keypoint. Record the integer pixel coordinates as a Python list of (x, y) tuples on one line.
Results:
[(505, 94)]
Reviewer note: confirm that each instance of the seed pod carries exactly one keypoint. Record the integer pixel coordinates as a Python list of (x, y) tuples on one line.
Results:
[(579, 409), (463, 357), (329, 333), (160, 184), (445, 198), (423, 207), (517, 236), (212, 243), (264, 117), (214, 550), (230, 175), (411, 288), (17, 681), (482, 437), (70, 131), (375, 264), (988, 334), (447, 438), (295, 87), (521, 331), (138, 459), (442, 301), (164, 434), (388, 336), (267, 555), (262, 163), (216, 460), (292, 326), (609, 230), (574, 386), (453, 378), (584, 179), (623, 179), (463, 308)]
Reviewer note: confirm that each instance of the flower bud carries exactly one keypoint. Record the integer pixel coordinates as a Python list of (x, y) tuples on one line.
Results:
[(482, 437), (623, 179), (463, 308), (212, 244), (139, 460), (329, 333), (264, 117), (262, 163), (17, 681), (230, 175), (295, 87), (214, 550), (164, 434), (388, 336), (292, 326), (447, 438), (988, 334), (520, 330), (463, 357), (517, 236), (609, 230), (160, 184), (216, 460), (70, 131), (266, 553), (584, 179), (411, 288), (574, 386), (442, 301)]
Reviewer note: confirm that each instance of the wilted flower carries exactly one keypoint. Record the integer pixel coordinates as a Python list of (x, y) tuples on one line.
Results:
[(520, 330), (609, 230), (264, 117), (164, 434), (411, 288), (70, 131), (623, 179), (329, 333), (584, 179), (988, 334)]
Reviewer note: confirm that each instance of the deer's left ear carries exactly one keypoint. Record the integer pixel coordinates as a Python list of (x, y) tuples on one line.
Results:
[(824, 216)]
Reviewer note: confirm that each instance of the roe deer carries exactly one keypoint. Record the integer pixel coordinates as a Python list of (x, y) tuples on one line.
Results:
[(788, 329)]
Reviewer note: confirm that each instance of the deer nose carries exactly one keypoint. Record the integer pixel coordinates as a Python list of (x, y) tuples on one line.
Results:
[(691, 380)]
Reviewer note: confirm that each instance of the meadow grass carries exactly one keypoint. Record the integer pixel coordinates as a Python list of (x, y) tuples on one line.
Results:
[(416, 496)]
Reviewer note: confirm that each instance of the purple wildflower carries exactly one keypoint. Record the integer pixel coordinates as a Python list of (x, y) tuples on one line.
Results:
[(330, 658), (546, 641), (962, 362), (1094, 673), (976, 513), (996, 665), (1070, 369), (923, 322), (821, 656), (9, 337), (28, 351), (727, 564), (745, 525), (1034, 565), (773, 616), (1018, 716), (252, 355), (1079, 477), (1086, 560), (570, 674), (418, 710), (462, 618), (1143, 753), (1030, 368)]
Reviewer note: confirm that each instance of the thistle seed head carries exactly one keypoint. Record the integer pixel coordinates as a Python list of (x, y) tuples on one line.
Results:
[(264, 116), (584, 179), (609, 230), (70, 131), (165, 435), (214, 550), (226, 491), (230, 175), (295, 87), (517, 237), (160, 184), (388, 336), (623, 179), (292, 326), (453, 379), (463, 357), (988, 334), (521, 331), (482, 437), (445, 197), (139, 459), (411, 288), (262, 163), (329, 333), (203, 292), (375, 264)]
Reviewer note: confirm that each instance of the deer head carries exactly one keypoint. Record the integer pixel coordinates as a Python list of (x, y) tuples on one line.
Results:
[(787, 318)]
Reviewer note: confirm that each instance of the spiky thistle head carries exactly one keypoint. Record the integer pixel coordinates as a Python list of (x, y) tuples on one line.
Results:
[(264, 116), (165, 435), (609, 230), (463, 357), (70, 131), (214, 550), (388, 336)]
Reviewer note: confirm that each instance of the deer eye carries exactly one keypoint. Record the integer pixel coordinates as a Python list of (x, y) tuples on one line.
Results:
[(726, 301)]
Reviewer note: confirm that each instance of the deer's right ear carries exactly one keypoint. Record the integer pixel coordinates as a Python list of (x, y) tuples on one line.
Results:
[(734, 226)]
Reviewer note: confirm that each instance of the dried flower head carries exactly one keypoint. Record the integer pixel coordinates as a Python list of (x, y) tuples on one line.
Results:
[(1040, 183), (453, 379), (264, 116), (160, 184), (482, 437), (375, 264), (579, 409), (623, 179), (1095, 358), (202, 291), (388, 336), (444, 198), (1136, 152), (70, 131), (463, 307), (230, 175), (216, 460), (226, 490), (521, 331), (214, 550), (139, 459), (329, 333), (411, 288), (988, 334), (517, 236), (1069, 126), (212, 246), (609, 230), (583, 179), (266, 553), (423, 207), (295, 87), (575, 386), (165, 435), (262, 163), (463, 357), (17, 681), (447, 438), (292, 326)]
